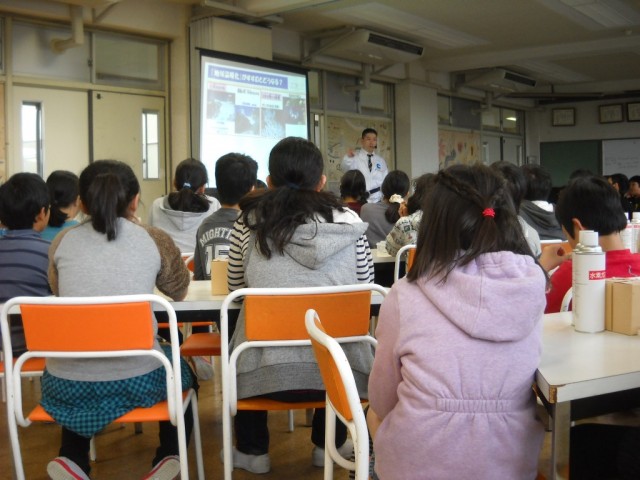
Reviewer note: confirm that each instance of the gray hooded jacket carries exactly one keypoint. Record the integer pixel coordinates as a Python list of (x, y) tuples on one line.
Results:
[(319, 254)]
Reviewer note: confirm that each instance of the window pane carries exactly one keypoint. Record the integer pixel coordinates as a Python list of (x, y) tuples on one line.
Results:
[(464, 113), (32, 54), (150, 145), (373, 98), (129, 62), (444, 114), (31, 138), (511, 120), (491, 118)]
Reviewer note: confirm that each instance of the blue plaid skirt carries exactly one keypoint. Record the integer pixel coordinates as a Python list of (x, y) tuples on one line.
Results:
[(87, 407)]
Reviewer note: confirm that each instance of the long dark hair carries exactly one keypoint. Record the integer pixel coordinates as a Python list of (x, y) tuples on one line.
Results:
[(63, 191), (107, 188), (295, 171), (353, 184), (190, 176), (395, 183), (421, 188), (468, 212)]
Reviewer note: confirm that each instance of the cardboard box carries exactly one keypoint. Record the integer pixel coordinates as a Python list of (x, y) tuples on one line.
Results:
[(219, 276), (623, 305)]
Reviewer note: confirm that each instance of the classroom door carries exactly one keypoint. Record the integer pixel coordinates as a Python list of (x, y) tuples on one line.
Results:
[(49, 130), (131, 128), (512, 150)]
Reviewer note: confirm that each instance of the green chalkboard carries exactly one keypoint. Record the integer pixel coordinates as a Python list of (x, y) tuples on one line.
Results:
[(562, 158)]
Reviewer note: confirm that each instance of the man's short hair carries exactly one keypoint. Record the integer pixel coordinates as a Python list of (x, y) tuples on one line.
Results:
[(635, 178), (236, 175), (369, 130), (594, 202), (22, 197), (538, 182)]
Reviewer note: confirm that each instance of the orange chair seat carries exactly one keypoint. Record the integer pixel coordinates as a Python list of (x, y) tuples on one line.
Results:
[(157, 412), (205, 344), (259, 403)]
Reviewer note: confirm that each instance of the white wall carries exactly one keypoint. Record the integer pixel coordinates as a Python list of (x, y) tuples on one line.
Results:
[(587, 127)]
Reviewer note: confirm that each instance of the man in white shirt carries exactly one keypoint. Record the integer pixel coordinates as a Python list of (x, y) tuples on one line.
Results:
[(372, 166)]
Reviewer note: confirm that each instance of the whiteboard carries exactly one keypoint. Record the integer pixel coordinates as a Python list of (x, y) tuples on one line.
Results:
[(621, 156)]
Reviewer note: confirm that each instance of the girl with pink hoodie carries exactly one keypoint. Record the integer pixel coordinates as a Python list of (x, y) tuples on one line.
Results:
[(460, 341)]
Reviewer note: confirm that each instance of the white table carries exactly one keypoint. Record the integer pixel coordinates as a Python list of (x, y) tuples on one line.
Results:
[(577, 367), (199, 297), (382, 258)]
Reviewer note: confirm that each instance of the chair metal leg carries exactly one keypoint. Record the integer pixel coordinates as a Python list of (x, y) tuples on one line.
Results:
[(291, 426), (92, 449), (309, 417)]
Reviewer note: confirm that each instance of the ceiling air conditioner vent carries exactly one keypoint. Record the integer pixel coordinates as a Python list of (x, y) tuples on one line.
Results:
[(365, 46), (499, 80), (516, 77), (393, 43)]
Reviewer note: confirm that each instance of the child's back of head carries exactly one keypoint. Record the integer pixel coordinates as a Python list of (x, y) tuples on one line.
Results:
[(22, 198), (236, 175), (63, 192), (594, 202), (190, 179), (468, 212), (538, 182), (295, 195)]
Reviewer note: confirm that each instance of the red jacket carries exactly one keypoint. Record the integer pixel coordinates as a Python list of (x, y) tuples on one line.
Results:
[(619, 263)]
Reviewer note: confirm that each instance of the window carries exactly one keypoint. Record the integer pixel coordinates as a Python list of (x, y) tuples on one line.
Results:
[(33, 56), (129, 62), (500, 119), (32, 157), (444, 110), (150, 145)]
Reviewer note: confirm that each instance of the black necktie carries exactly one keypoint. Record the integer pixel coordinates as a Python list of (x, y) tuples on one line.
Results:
[(369, 155)]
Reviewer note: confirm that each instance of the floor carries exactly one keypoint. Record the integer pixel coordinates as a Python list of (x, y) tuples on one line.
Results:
[(124, 455)]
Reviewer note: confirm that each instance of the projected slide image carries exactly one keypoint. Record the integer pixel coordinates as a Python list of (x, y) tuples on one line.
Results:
[(247, 105), (247, 120), (295, 111), (273, 123)]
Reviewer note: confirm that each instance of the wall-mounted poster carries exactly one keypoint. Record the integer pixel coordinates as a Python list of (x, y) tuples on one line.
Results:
[(458, 147), (344, 133)]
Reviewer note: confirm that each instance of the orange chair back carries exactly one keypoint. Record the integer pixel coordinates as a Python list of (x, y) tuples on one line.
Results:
[(331, 377), (84, 328), (281, 317), (411, 256)]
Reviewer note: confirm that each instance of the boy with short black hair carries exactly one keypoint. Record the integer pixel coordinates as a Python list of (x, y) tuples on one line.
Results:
[(236, 176), (588, 203), (24, 254)]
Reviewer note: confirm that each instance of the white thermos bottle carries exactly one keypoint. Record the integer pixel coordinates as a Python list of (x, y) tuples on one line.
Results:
[(589, 284), (626, 235)]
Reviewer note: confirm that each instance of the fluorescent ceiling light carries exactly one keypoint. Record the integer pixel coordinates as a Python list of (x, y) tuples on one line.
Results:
[(511, 119)]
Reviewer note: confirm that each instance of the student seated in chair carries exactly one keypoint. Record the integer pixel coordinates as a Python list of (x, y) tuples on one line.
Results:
[(111, 254), (588, 203), (293, 234), (459, 342), (24, 210), (236, 176)]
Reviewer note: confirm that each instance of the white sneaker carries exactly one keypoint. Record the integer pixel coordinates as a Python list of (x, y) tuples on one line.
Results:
[(166, 469), (317, 455), (251, 463), (61, 468)]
